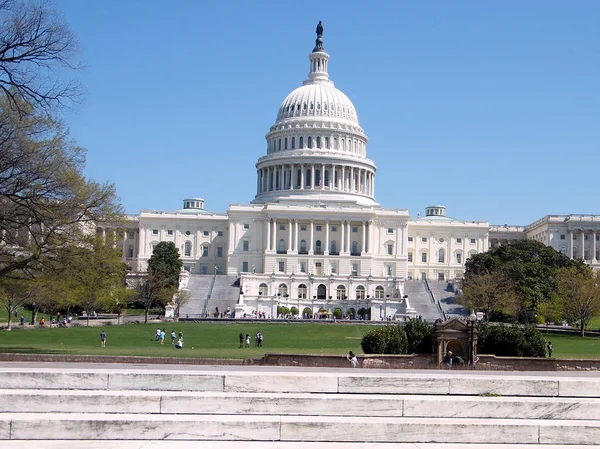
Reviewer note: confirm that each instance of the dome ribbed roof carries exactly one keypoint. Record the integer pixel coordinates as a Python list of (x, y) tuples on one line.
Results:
[(318, 99)]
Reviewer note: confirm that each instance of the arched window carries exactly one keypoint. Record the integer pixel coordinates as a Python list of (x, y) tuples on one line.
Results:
[(204, 250), (299, 178), (341, 292), (263, 290), (333, 249), (327, 142), (317, 177), (300, 142), (459, 257), (307, 178), (285, 144), (302, 291), (318, 142), (326, 177), (318, 247), (282, 290), (342, 144), (360, 292), (187, 249), (354, 248), (302, 246), (279, 145), (309, 144), (293, 143), (335, 143), (281, 247), (379, 292), (441, 255)]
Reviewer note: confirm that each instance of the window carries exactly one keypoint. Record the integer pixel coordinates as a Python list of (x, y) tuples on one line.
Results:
[(341, 292), (458, 257), (245, 245), (301, 139), (130, 235), (424, 239), (585, 237), (389, 269), (309, 140), (244, 267), (189, 233), (293, 143), (334, 229), (333, 247), (282, 290), (155, 232), (204, 251), (354, 268), (562, 236), (282, 227), (302, 246), (379, 292), (424, 257), (170, 232), (220, 233), (390, 249), (246, 226), (205, 233), (281, 248), (333, 268), (574, 237), (303, 227), (318, 249), (187, 250), (302, 291), (302, 267), (354, 228), (410, 239), (281, 266), (410, 257), (441, 256), (130, 251), (355, 247), (203, 269), (472, 241), (360, 292), (390, 230), (319, 228), (458, 240), (441, 276), (263, 290), (220, 252)]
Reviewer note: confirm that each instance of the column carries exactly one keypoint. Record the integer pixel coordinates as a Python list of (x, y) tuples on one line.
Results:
[(594, 249), (310, 241), (582, 245), (312, 176), (326, 252), (343, 179), (302, 177), (274, 235), (258, 181), (322, 176), (268, 234), (348, 248), (289, 235), (343, 240), (571, 240), (370, 237), (292, 177), (364, 238), (398, 232), (297, 237)]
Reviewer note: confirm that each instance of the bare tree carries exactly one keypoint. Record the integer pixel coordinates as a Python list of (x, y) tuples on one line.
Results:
[(35, 44), (579, 295), (489, 293), (180, 299)]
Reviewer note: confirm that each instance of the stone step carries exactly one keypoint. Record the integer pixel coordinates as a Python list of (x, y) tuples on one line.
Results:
[(44, 426), (217, 444), (366, 405), (351, 382)]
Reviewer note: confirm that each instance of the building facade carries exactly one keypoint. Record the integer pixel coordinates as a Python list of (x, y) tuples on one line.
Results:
[(314, 236)]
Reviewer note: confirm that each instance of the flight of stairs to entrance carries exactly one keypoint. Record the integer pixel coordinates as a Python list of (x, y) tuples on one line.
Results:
[(300, 405)]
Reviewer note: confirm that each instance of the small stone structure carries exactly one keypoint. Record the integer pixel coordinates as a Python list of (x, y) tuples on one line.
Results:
[(457, 335)]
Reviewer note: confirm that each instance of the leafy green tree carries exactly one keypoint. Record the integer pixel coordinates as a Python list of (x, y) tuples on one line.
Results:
[(15, 293), (418, 334), (166, 263), (490, 293), (337, 313), (527, 267), (578, 295), (510, 340)]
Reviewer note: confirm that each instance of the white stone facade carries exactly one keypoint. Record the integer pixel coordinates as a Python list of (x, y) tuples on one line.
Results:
[(314, 236)]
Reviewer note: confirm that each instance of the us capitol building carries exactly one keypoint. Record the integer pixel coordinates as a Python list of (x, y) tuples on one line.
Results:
[(314, 235)]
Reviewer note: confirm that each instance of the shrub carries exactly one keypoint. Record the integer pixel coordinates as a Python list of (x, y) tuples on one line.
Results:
[(337, 313), (514, 340), (282, 310), (385, 340), (294, 311), (418, 334), (307, 312)]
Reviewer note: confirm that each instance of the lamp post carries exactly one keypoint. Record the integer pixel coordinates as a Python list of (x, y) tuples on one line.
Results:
[(472, 318)]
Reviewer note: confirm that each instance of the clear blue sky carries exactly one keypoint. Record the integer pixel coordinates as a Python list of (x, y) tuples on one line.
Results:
[(491, 108)]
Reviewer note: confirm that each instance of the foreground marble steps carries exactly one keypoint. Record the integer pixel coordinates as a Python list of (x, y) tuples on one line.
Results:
[(170, 444), (297, 404), (46, 426)]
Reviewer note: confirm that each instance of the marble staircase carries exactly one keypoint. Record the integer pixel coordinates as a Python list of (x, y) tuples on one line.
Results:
[(298, 406)]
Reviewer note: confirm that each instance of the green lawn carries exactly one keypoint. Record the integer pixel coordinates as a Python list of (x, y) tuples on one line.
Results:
[(220, 340), (574, 347)]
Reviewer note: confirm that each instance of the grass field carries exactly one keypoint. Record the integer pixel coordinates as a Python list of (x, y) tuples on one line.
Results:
[(221, 340)]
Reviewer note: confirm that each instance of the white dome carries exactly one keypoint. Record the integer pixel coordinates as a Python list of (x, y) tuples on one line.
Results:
[(318, 99)]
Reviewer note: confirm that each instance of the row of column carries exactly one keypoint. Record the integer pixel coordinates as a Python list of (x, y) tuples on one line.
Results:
[(582, 234), (293, 240), (349, 145), (315, 176)]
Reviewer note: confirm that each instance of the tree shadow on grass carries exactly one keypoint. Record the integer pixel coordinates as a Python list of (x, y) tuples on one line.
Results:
[(28, 350)]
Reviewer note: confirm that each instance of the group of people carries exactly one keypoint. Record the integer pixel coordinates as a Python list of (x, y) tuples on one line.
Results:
[(247, 340), (160, 335), (450, 360)]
